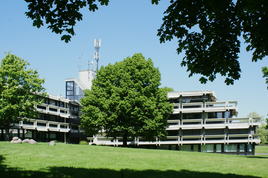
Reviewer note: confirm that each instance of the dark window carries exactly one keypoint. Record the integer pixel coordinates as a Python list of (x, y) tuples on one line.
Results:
[(70, 85), (41, 107), (69, 88), (173, 132), (191, 132), (47, 101), (214, 131), (52, 109), (212, 115)]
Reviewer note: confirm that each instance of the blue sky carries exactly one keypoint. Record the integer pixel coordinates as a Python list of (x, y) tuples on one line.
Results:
[(125, 28)]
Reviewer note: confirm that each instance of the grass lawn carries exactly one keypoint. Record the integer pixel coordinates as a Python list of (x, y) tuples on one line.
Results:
[(261, 149), (75, 161)]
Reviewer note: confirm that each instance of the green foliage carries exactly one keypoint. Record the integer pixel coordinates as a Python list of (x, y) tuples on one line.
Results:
[(125, 100), (168, 89), (83, 142), (254, 114), (261, 130), (266, 123), (214, 50), (264, 134), (61, 16), (265, 74), (20, 90)]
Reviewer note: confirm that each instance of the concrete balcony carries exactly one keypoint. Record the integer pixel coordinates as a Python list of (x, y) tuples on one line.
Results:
[(198, 107), (192, 107), (56, 113), (215, 139), (176, 125), (191, 139), (241, 123), (191, 123), (214, 123), (217, 123), (44, 125), (182, 140)]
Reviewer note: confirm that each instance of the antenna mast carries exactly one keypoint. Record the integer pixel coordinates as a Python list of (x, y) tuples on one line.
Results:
[(97, 45), (80, 63)]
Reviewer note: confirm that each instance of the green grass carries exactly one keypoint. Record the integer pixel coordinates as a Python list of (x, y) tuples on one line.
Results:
[(75, 161), (261, 149)]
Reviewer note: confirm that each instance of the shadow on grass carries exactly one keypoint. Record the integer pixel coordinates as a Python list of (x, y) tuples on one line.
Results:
[(258, 157), (71, 172)]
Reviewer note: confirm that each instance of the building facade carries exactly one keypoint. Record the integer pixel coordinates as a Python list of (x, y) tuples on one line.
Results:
[(75, 87), (198, 123), (59, 120), (201, 123)]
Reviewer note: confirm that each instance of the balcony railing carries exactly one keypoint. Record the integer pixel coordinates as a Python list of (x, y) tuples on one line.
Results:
[(197, 107), (181, 140), (43, 125), (214, 123), (54, 110)]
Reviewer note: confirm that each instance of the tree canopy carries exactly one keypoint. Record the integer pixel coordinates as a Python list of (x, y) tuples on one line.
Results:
[(215, 48), (208, 31), (21, 90), (61, 16), (125, 101)]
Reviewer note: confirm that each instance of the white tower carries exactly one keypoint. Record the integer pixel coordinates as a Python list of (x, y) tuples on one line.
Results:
[(97, 45)]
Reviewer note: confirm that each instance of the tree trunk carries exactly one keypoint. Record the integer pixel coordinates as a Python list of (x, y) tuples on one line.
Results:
[(6, 134), (125, 139)]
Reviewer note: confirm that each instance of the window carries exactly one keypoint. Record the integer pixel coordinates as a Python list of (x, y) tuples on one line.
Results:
[(218, 148), (69, 88), (207, 148), (230, 148), (70, 85), (70, 93), (242, 147), (249, 149), (212, 115), (185, 148), (76, 89)]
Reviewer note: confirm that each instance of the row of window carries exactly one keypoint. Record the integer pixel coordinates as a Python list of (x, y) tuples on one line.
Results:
[(192, 99), (51, 118), (226, 114)]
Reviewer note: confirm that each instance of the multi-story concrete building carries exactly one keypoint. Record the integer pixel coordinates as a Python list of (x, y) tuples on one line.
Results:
[(203, 124), (199, 123), (59, 120), (59, 117)]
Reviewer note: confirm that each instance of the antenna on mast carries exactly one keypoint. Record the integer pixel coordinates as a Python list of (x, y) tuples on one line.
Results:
[(80, 63), (97, 45)]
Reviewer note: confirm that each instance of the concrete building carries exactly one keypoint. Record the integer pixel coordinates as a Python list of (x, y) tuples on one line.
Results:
[(59, 120), (201, 123)]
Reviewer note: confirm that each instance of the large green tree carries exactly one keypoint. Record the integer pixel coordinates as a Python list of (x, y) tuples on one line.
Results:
[(125, 101), (20, 91), (207, 30)]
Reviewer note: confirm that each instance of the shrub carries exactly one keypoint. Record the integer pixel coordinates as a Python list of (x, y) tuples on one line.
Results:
[(83, 142)]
